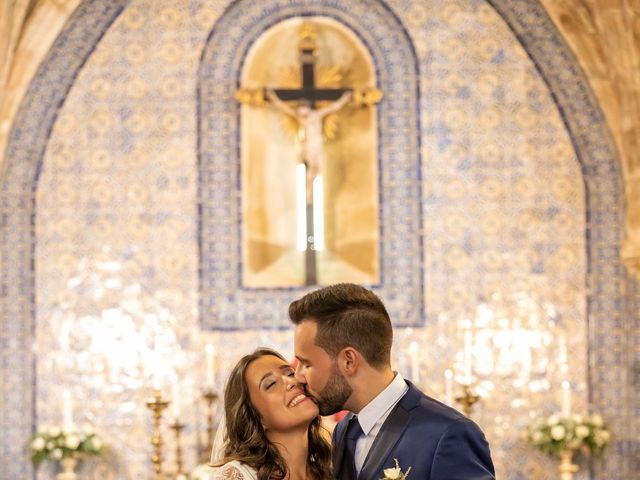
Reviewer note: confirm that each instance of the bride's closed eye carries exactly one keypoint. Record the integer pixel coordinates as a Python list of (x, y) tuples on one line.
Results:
[(271, 378)]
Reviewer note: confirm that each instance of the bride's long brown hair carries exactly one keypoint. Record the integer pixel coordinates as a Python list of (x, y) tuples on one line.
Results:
[(246, 439)]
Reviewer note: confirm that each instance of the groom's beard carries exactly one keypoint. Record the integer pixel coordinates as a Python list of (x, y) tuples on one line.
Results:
[(335, 393)]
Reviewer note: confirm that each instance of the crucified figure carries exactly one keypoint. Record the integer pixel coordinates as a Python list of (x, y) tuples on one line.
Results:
[(310, 131)]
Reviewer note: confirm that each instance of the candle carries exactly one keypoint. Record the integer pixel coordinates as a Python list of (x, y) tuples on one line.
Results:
[(157, 373), (566, 399), (415, 363), (175, 402), (67, 410), (210, 365), (448, 387), (467, 357)]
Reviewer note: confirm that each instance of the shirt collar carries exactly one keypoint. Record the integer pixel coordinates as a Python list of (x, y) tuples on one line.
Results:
[(382, 403)]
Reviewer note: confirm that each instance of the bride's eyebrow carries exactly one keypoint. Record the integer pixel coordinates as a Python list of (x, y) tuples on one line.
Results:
[(271, 373)]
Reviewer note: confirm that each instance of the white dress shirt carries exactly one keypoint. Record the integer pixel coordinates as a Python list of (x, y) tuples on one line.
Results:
[(373, 415)]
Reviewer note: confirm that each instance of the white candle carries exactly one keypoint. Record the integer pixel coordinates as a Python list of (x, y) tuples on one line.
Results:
[(448, 387), (467, 357), (175, 401), (67, 410), (157, 373), (566, 399), (210, 365), (415, 362)]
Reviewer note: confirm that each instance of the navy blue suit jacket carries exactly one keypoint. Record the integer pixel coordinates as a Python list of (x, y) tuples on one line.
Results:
[(436, 441)]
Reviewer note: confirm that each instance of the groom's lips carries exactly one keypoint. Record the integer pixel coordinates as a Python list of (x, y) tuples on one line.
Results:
[(311, 397)]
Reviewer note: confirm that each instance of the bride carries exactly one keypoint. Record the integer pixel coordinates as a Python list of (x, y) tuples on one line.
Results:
[(272, 428)]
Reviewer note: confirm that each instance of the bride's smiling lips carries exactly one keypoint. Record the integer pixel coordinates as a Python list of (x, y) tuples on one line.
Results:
[(296, 397), (297, 400)]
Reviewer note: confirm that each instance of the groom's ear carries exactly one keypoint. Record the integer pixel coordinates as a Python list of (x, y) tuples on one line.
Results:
[(349, 360)]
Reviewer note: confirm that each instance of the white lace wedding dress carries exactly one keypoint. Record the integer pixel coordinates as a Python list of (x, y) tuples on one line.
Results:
[(233, 471)]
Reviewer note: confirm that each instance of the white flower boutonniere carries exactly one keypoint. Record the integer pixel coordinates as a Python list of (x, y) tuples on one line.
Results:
[(395, 473)]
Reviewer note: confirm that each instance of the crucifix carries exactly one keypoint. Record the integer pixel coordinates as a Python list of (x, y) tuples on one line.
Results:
[(310, 131)]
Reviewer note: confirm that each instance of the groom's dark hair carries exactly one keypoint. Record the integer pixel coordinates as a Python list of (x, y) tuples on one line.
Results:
[(347, 315)]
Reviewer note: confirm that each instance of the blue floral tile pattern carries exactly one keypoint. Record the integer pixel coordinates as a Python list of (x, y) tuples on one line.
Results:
[(498, 176)]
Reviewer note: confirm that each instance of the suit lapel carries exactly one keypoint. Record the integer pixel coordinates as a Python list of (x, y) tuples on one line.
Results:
[(390, 433), (388, 436), (338, 452)]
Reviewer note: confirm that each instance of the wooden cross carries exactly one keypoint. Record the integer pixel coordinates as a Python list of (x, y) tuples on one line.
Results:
[(309, 92)]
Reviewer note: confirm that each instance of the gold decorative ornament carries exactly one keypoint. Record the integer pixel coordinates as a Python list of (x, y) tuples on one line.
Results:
[(157, 405), (250, 96), (567, 467), (308, 38), (210, 398), (366, 97), (177, 428), (68, 469), (467, 400)]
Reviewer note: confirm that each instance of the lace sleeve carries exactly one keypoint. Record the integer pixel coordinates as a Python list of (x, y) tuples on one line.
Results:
[(230, 472)]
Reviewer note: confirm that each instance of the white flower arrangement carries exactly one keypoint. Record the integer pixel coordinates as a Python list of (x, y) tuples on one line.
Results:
[(395, 473), (55, 443), (554, 434)]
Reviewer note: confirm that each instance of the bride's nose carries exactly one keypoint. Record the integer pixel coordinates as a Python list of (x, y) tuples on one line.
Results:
[(291, 383)]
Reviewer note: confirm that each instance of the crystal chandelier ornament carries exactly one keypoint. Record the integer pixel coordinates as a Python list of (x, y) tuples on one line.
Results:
[(112, 333), (516, 343)]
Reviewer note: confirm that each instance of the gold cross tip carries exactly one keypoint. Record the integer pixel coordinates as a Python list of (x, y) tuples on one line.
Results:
[(308, 35), (366, 96), (250, 96)]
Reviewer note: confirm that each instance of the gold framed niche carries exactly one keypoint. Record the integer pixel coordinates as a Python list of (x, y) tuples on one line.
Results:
[(270, 153)]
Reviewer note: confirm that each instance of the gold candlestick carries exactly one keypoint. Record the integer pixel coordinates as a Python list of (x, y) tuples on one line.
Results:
[(210, 398), (68, 469), (157, 405), (567, 467), (177, 427), (467, 399)]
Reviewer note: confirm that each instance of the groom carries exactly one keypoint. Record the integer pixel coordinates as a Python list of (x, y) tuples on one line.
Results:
[(343, 339)]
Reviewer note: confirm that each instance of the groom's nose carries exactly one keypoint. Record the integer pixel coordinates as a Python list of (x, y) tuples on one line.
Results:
[(300, 378)]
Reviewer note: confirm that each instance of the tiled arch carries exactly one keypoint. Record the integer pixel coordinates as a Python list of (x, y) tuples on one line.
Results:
[(610, 317), (221, 294)]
